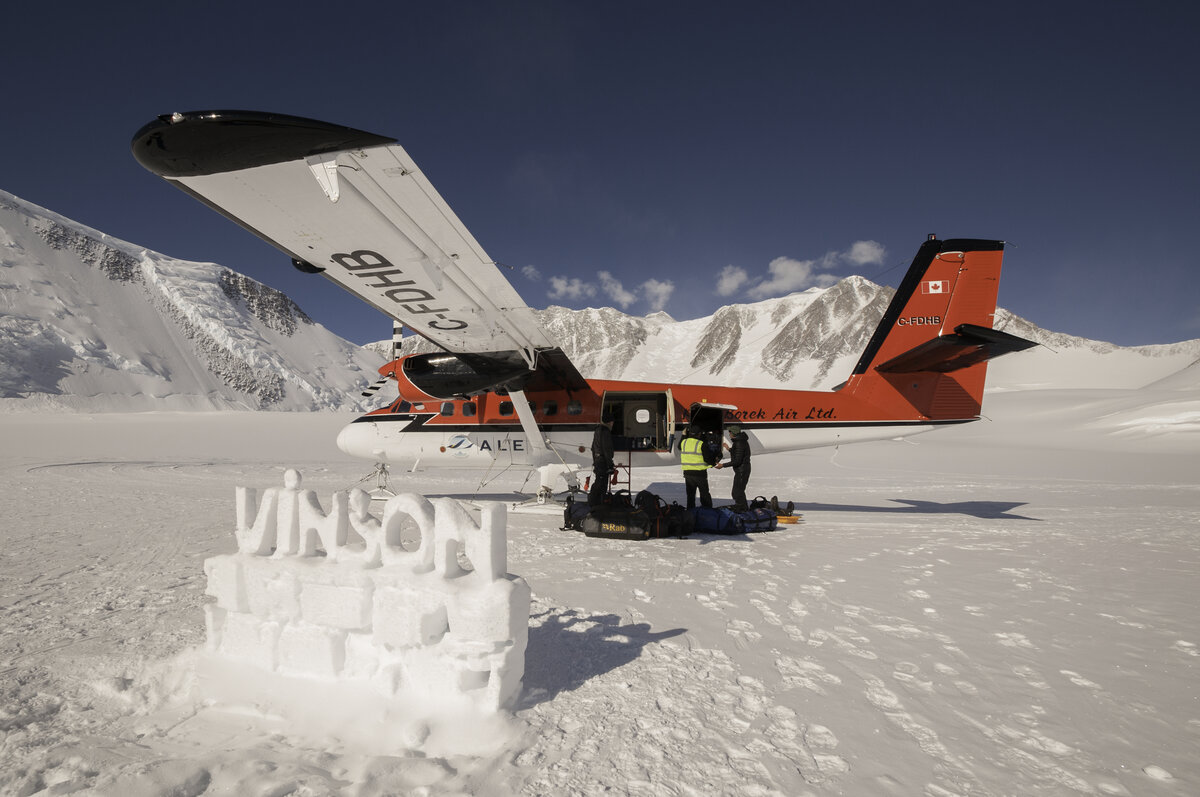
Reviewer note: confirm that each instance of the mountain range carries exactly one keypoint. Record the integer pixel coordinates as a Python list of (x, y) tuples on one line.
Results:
[(92, 323), (813, 339)]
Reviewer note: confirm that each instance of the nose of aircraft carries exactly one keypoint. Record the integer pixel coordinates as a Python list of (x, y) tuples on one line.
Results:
[(361, 440)]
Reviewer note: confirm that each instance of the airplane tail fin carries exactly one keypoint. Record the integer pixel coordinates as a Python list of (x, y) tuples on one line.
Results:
[(928, 357)]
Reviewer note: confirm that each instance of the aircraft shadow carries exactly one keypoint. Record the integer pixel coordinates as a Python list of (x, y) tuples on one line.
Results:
[(671, 492), (504, 498), (561, 658), (986, 510)]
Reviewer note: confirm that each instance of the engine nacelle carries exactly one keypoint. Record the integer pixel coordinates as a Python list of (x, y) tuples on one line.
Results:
[(449, 376)]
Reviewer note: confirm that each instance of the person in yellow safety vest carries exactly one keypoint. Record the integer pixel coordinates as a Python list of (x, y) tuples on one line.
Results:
[(695, 467)]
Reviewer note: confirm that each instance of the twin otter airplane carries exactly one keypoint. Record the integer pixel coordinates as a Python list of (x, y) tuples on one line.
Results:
[(355, 208)]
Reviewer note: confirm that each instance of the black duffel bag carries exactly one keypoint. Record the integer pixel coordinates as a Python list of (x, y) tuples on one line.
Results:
[(618, 522), (573, 514)]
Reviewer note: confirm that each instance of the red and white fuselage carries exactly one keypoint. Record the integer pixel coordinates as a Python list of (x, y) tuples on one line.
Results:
[(924, 368)]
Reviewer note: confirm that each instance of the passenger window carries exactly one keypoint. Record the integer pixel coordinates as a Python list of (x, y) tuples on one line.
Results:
[(447, 408), (550, 408), (574, 407), (506, 408), (469, 409)]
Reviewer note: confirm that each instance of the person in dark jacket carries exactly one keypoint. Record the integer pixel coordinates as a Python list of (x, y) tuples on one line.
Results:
[(739, 460), (602, 460)]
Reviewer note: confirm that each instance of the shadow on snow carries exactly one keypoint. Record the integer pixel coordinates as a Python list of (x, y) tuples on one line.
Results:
[(986, 510), (568, 647)]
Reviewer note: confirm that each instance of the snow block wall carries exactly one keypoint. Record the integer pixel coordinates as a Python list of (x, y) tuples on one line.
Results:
[(335, 597)]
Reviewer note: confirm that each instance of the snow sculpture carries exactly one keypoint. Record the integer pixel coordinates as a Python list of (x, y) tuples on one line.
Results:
[(336, 597)]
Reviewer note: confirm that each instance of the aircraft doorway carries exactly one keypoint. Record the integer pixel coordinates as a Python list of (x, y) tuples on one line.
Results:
[(710, 418), (641, 421)]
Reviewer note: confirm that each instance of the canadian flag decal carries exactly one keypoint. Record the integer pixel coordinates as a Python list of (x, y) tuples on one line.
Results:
[(935, 286)]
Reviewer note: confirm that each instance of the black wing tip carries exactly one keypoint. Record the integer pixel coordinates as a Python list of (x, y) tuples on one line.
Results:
[(965, 245), (195, 143), (971, 245)]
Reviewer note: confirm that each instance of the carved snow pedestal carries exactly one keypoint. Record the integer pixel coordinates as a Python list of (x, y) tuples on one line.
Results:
[(334, 598)]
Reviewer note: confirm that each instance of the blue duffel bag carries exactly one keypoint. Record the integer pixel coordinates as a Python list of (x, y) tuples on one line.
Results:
[(727, 520), (722, 520), (760, 519)]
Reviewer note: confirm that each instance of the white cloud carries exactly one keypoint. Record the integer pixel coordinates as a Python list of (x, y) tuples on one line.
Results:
[(570, 289), (615, 290), (730, 280), (788, 275), (863, 253), (531, 272), (657, 293)]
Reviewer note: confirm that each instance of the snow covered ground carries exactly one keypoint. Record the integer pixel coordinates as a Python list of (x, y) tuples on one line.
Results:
[(1007, 608)]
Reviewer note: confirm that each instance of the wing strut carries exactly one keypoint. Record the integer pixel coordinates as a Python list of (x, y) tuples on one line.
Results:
[(537, 443)]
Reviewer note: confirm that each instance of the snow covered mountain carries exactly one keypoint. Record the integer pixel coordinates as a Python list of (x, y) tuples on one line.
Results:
[(812, 340), (92, 323)]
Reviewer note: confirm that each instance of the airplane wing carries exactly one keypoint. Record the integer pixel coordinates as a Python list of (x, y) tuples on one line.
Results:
[(354, 206)]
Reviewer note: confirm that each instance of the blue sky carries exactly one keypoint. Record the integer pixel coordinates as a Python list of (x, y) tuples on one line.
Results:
[(675, 156)]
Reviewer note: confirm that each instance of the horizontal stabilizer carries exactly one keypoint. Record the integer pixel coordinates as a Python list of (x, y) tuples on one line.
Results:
[(970, 344)]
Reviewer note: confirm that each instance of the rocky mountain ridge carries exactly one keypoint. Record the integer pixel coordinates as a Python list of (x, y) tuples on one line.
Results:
[(93, 323), (812, 340)]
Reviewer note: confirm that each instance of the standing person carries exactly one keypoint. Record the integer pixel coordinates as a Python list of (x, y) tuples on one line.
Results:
[(602, 460), (739, 460), (695, 467)]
